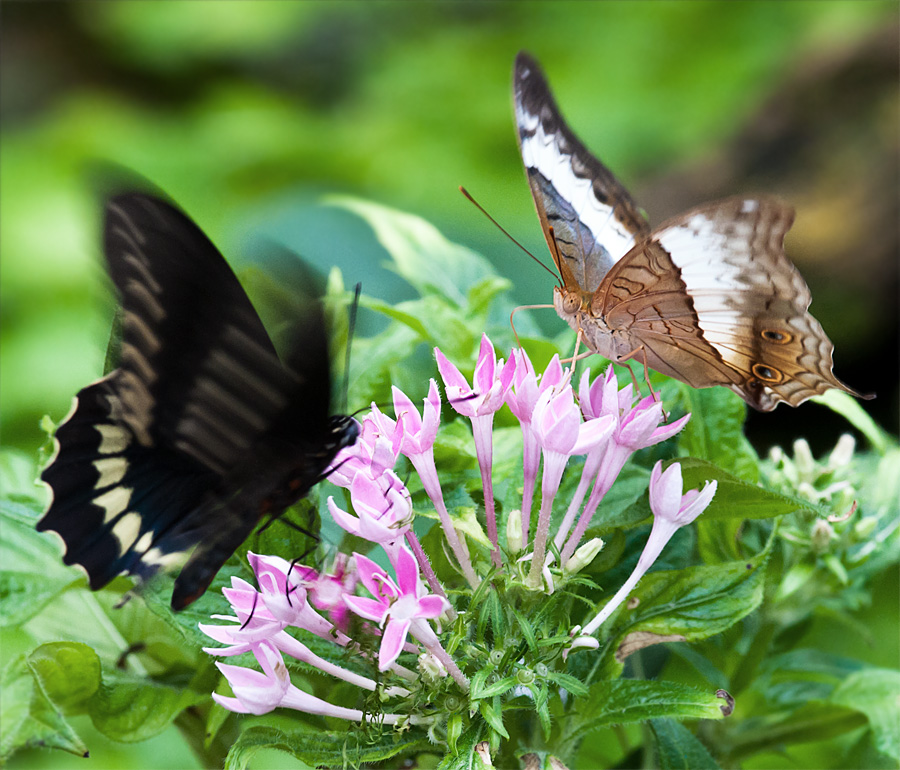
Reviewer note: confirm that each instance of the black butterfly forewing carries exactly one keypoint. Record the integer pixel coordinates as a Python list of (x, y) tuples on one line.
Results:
[(201, 430)]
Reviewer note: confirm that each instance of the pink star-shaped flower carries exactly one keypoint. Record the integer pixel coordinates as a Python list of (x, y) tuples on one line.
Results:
[(396, 605)]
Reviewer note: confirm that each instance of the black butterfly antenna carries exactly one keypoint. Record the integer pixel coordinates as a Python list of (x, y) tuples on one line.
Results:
[(354, 308), (503, 230)]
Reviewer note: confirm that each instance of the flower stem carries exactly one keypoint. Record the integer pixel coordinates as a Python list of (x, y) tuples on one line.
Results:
[(613, 462), (554, 465), (425, 565), (482, 427), (425, 467), (425, 634)]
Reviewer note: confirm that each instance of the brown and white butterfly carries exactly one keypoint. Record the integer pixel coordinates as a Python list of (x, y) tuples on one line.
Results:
[(708, 298)]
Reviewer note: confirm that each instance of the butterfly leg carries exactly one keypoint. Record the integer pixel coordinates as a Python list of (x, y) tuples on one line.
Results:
[(639, 351)]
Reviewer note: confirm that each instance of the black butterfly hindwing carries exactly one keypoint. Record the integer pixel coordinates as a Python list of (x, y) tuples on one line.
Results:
[(201, 430)]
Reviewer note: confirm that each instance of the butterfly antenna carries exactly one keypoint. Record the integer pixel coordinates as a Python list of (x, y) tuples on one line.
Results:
[(252, 610), (354, 307), (557, 257), (477, 205)]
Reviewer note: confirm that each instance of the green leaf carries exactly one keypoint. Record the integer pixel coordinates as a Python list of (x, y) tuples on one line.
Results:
[(624, 701), (497, 688), (424, 257), (493, 716), (625, 505), (157, 595), (851, 410), (465, 757), (24, 594), (687, 605), (454, 731), (715, 431), (322, 748), (407, 318), (873, 692), (815, 721), (570, 683), (483, 293), (737, 499), (526, 629), (121, 706), (28, 719), (131, 709), (68, 673), (678, 749)]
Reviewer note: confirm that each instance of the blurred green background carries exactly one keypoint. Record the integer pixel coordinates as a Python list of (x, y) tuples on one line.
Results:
[(248, 113)]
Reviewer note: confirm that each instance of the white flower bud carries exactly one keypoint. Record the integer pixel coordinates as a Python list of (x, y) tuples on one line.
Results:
[(432, 669), (842, 453), (580, 643), (803, 459), (514, 531), (583, 556), (821, 535)]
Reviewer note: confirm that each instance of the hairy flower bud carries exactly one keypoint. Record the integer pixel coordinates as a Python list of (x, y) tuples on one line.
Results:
[(583, 556), (514, 532)]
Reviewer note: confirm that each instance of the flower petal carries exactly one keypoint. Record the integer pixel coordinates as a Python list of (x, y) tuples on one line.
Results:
[(431, 606), (407, 570), (392, 642), (665, 491), (370, 609), (370, 574)]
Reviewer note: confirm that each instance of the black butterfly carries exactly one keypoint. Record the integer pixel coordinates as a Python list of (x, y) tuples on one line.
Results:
[(201, 430)]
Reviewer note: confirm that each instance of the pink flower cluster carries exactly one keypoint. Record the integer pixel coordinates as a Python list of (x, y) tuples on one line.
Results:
[(606, 424)]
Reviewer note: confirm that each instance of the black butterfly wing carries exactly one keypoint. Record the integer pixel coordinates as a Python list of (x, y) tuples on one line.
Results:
[(113, 499), (187, 442), (198, 372)]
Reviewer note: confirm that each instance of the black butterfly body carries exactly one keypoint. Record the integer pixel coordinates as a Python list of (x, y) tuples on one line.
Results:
[(201, 430)]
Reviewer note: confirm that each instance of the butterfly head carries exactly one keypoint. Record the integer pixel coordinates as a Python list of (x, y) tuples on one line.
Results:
[(568, 302)]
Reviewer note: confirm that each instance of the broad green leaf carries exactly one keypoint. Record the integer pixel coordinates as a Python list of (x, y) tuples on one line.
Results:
[(28, 719), (421, 254), (323, 748), (737, 499), (67, 672), (686, 605), (623, 701), (157, 595), (23, 548), (815, 721), (715, 431), (852, 411), (874, 692), (131, 709), (18, 472), (678, 749), (406, 317), (625, 505), (24, 594), (483, 293), (123, 707)]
